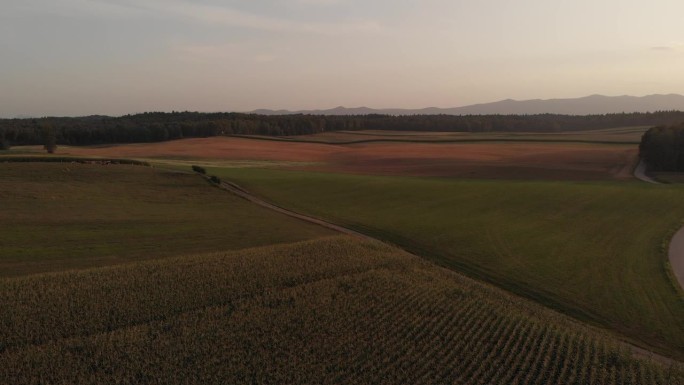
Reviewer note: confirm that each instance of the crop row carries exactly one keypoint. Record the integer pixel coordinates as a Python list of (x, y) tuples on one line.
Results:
[(331, 311)]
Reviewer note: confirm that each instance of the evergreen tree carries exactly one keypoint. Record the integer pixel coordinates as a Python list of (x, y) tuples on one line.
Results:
[(4, 143), (49, 137)]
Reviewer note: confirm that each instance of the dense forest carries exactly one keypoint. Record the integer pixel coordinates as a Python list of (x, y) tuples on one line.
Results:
[(662, 148), (158, 126)]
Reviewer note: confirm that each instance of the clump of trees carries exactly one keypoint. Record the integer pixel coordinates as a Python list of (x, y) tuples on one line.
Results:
[(199, 169), (662, 148)]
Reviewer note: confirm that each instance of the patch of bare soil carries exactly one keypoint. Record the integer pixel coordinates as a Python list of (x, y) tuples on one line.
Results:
[(488, 160), (223, 148)]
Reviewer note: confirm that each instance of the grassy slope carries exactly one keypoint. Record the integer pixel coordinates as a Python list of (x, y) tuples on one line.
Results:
[(57, 216), (589, 249), (336, 310)]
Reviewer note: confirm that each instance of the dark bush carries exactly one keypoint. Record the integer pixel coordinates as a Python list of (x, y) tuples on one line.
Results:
[(214, 179), (199, 169), (662, 148)]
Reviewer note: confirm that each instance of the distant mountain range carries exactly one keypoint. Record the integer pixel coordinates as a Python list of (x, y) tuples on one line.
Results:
[(588, 105)]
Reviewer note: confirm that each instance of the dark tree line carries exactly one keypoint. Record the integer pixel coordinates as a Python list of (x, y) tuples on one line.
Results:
[(158, 126), (662, 148)]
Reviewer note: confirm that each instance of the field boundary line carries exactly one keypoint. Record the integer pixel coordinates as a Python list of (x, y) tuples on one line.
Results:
[(70, 159), (239, 191), (448, 141)]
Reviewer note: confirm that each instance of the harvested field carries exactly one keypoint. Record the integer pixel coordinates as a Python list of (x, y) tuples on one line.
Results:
[(222, 148), (617, 135), (533, 160), (331, 311), (487, 160)]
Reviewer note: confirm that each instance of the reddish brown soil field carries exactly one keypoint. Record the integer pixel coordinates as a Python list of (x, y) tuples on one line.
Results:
[(471, 160), (223, 148)]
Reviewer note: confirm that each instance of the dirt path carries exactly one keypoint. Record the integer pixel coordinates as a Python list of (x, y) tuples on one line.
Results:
[(676, 256), (640, 173), (237, 190)]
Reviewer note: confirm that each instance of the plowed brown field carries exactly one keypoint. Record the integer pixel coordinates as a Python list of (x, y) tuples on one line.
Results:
[(534, 160)]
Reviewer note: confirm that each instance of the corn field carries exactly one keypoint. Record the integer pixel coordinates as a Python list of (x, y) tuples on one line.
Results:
[(332, 311)]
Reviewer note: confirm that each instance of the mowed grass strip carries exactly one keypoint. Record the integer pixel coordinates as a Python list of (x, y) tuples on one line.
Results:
[(330, 311), (593, 250), (69, 215)]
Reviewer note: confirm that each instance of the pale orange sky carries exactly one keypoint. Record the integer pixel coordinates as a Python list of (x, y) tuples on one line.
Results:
[(82, 57)]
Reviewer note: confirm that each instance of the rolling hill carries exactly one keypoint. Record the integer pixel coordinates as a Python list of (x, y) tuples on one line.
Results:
[(588, 105)]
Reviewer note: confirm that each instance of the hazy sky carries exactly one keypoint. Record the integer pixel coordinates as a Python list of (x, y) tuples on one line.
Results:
[(81, 57)]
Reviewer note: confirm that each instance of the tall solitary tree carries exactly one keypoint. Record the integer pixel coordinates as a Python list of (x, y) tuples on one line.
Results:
[(4, 143), (49, 137)]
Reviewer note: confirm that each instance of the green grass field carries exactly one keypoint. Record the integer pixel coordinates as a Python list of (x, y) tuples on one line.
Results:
[(330, 311), (593, 250), (58, 216), (668, 177)]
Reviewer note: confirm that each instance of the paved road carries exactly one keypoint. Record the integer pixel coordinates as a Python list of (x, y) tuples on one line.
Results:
[(676, 252), (676, 255), (640, 173)]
